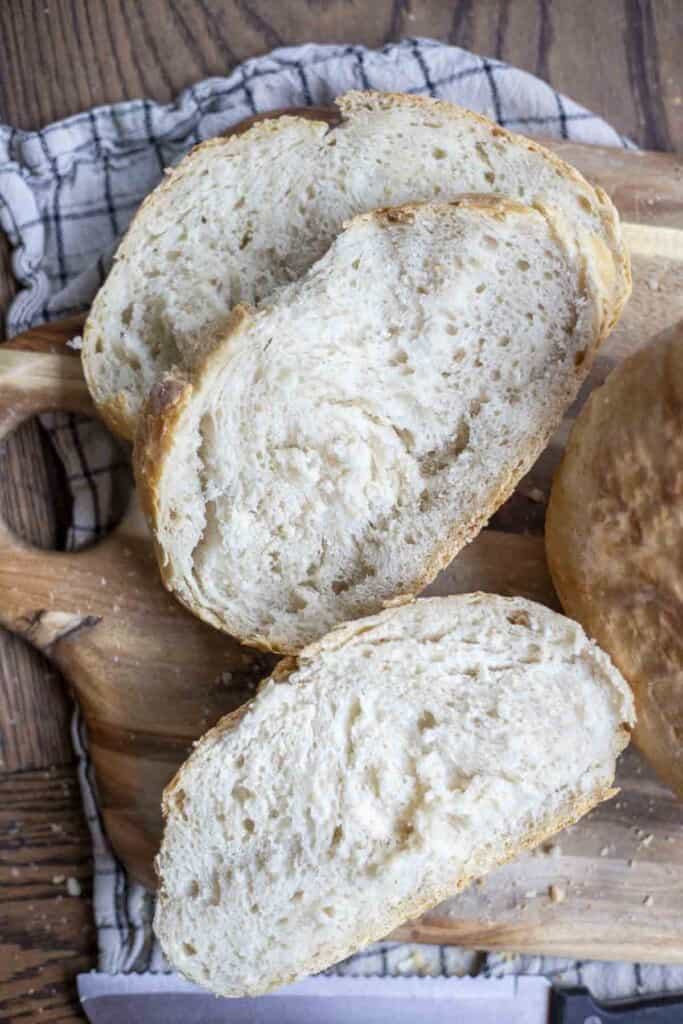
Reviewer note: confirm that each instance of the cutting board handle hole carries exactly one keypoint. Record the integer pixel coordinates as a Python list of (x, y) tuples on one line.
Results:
[(65, 481)]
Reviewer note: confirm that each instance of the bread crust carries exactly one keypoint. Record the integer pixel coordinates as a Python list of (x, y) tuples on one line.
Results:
[(114, 412), (163, 416), (426, 899), (613, 258), (614, 534)]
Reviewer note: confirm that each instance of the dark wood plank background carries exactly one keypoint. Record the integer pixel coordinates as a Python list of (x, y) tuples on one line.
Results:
[(618, 57)]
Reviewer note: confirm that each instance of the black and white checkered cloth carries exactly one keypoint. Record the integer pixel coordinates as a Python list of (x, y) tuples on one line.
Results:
[(67, 193)]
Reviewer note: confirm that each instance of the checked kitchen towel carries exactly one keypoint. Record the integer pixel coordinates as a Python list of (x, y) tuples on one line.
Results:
[(67, 193)]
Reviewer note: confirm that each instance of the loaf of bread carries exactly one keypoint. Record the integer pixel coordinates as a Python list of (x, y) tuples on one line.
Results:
[(337, 447), (614, 537), (244, 215), (394, 761)]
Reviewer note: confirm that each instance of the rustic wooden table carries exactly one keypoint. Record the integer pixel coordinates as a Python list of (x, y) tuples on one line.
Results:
[(59, 56)]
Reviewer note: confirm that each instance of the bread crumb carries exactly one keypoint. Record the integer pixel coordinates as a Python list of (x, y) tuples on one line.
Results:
[(647, 840), (648, 901), (57, 879), (414, 963), (75, 343), (557, 893), (73, 887), (605, 851)]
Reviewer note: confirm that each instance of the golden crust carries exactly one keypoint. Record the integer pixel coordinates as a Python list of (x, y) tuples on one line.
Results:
[(116, 415), (614, 537), (161, 416)]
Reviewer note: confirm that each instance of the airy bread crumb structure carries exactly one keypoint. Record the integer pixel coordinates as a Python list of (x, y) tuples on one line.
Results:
[(397, 759), (242, 216), (338, 446)]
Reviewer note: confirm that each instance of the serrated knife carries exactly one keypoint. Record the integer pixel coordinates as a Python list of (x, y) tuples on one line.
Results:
[(160, 999)]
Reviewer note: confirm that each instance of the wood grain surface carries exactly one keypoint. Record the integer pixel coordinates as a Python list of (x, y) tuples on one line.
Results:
[(149, 677), (619, 57), (46, 934), (59, 56)]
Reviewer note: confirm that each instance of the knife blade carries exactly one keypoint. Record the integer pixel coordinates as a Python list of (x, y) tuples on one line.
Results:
[(159, 999), (515, 999)]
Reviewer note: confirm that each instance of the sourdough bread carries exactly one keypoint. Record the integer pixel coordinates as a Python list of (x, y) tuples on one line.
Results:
[(614, 537), (398, 758), (244, 215), (338, 446)]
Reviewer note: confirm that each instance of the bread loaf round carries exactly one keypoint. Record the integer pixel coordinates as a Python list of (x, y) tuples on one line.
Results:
[(614, 537)]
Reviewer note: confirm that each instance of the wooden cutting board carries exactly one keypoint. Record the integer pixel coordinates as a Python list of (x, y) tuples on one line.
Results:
[(151, 679)]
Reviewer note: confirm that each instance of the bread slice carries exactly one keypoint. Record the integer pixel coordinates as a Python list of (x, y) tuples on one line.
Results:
[(339, 446), (614, 537), (400, 757), (241, 216)]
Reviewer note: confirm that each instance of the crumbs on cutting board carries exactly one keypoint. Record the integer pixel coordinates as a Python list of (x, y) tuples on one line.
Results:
[(414, 963), (73, 886)]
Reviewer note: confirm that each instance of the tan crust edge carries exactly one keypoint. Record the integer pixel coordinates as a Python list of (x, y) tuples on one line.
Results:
[(160, 417), (115, 412), (157, 433), (162, 413), (415, 906)]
